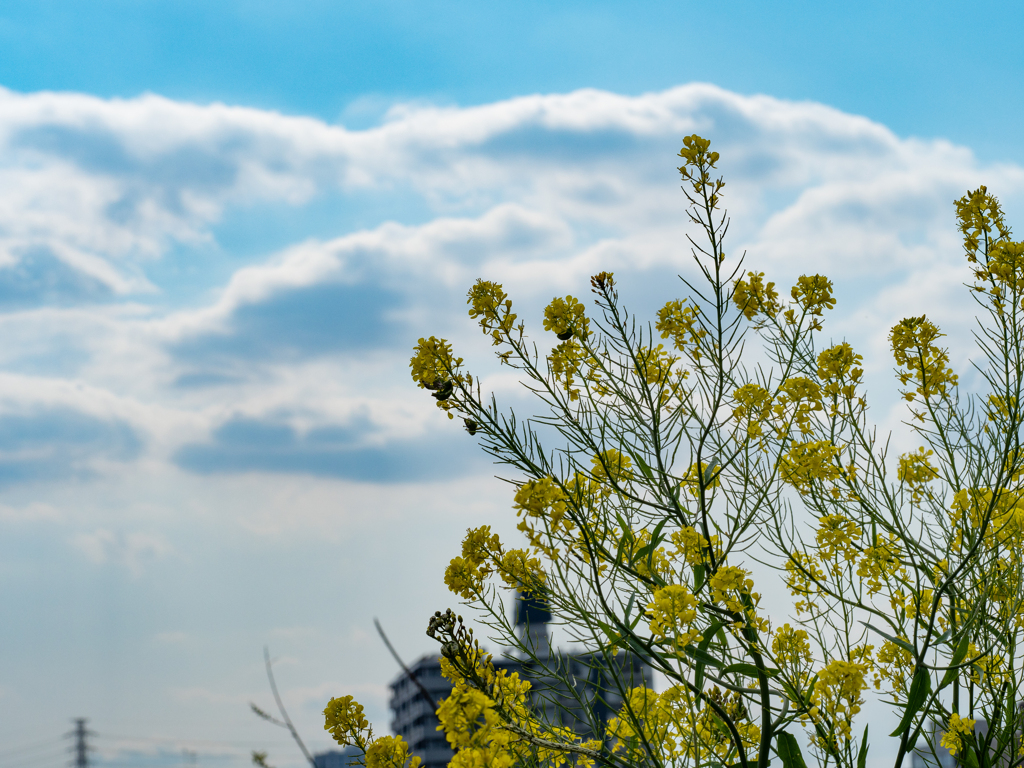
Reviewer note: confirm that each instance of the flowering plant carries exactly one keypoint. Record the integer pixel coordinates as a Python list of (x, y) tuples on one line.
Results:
[(676, 466)]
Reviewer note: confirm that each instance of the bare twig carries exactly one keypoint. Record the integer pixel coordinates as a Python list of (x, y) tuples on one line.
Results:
[(285, 722), (397, 658)]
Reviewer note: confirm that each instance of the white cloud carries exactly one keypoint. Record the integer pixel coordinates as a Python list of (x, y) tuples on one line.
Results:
[(131, 550)]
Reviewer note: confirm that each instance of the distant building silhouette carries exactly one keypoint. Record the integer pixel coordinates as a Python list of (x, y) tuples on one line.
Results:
[(415, 719), (338, 758)]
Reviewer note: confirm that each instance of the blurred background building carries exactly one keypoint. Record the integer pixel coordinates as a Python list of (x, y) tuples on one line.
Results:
[(584, 707)]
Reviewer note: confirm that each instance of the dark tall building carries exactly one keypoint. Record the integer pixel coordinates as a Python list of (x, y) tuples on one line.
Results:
[(595, 690), (349, 757)]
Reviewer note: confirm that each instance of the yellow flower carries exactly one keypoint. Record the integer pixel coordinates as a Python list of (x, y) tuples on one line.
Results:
[(916, 471), (520, 571), (979, 216), (566, 318), (813, 293), (753, 403), (390, 752), (692, 545), (672, 612), (465, 575), (807, 463), (880, 562), (792, 650), (691, 480), (733, 586), (345, 720), (681, 322), (958, 727), (612, 466), (923, 362), (566, 362), (491, 304), (836, 697), (837, 535), (839, 363), (803, 578), (752, 297)]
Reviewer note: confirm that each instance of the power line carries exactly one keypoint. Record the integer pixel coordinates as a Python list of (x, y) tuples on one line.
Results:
[(35, 760), (27, 747)]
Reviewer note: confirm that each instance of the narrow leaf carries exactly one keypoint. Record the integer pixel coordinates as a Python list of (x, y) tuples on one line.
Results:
[(920, 687), (862, 755), (749, 670), (901, 643), (789, 751), (703, 657), (958, 657)]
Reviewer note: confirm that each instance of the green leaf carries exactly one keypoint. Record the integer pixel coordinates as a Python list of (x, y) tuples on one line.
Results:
[(789, 751), (644, 468), (699, 572), (958, 656), (709, 635), (901, 643), (703, 657), (862, 755), (920, 687), (749, 670)]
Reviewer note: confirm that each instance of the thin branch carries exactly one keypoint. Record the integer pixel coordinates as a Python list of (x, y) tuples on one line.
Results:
[(397, 658), (280, 706)]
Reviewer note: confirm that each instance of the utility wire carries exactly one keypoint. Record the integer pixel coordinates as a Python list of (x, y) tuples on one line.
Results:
[(27, 748)]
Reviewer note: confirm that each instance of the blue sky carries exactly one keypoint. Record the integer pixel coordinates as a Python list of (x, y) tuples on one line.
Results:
[(224, 225)]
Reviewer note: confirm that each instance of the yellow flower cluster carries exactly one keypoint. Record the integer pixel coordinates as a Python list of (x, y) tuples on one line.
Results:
[(836, 697), (345, 720), (753, 297), (979, 216), (814, 295), (916, 471), (837, 535), (1005, 524), (542, 500), (753, 404), (696, 167), (958, 727), (1006, 266), (390, 752), (566, 318), (807, 463), (926, 364), (477, 722), (681, 730), (482, 555), (434, 367), (800, 397), (491, 304), (840, 367), (792, 651), (654, 367), (680, 322), (895, 664), (691, 480), (672, 613), (803, 577), (880, 562), (567, 361), (433, 362), (611, 466), (733, 587), (465, 575), (692, 545)]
